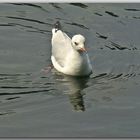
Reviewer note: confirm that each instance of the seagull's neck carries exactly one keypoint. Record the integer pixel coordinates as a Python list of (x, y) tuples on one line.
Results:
[(77, 54)]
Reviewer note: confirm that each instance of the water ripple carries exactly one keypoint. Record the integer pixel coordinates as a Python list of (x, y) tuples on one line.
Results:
[(131, 9), (116, 46), (101, 36), (55, 5), (33, 29), (77, 24), (81, 5), (25, 92), (29, 19), (31, 5), (111, 13)]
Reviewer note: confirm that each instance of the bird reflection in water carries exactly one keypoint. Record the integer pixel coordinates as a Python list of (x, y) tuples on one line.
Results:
[(76, 99), (75, 86)]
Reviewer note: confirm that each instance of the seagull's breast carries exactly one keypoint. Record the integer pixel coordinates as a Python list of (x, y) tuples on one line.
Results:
[(78, 64)]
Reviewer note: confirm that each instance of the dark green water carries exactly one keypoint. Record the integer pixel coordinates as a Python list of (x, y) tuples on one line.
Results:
[(34, 103)]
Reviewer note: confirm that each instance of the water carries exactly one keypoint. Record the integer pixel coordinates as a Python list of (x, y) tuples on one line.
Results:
[(34, 103)]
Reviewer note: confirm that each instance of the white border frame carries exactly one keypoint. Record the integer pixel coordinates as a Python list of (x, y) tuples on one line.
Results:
[(69, 1)]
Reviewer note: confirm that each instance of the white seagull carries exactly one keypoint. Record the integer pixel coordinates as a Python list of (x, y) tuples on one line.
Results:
[(69, 56)]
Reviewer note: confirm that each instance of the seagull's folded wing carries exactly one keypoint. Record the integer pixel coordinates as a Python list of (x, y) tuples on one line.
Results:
[(61, 46)]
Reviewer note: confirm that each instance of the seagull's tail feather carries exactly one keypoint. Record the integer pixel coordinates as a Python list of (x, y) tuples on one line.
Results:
[(57, 26)]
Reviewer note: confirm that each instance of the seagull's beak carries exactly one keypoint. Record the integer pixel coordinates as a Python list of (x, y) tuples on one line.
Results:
[(82, 50)]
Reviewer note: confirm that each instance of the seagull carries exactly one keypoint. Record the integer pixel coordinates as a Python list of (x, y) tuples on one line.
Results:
[(69, 56)]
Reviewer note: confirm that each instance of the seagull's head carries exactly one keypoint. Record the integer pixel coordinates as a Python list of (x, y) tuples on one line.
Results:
[(78, 43)]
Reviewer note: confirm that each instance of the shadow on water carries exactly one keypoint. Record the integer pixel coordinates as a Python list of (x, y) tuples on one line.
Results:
[(10, 86), (102, 82), (75, 87)]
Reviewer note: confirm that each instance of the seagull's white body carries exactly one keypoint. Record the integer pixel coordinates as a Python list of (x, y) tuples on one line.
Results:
[(66, 57)]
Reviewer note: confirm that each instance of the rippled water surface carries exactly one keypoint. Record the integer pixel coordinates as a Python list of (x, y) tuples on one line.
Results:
[(37, 103)]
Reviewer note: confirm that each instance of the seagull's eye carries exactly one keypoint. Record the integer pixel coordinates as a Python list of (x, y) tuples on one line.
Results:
[(76, 43)]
